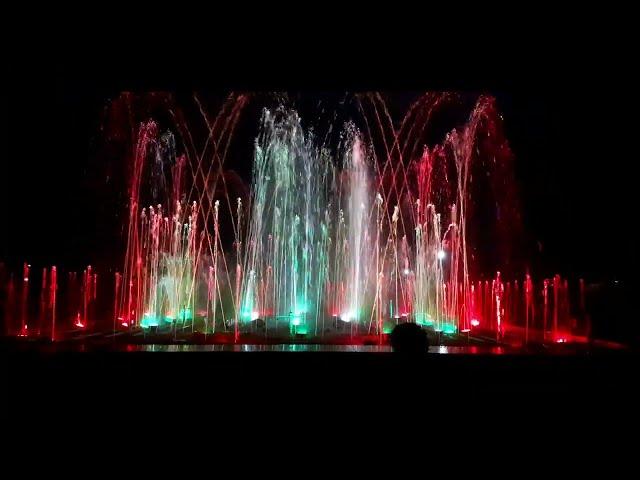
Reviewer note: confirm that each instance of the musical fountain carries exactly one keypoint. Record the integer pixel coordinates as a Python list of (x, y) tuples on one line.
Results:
[(338, 238)]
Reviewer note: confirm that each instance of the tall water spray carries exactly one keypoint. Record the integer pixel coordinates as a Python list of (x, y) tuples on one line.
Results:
[(329, 235), (288, 235)]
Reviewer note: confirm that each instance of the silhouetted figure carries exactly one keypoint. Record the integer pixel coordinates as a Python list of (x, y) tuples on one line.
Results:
[(409, 338)]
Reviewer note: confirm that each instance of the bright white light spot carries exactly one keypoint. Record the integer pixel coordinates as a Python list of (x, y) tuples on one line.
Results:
[(406, 271), (346, 317), (475, 323), (255, 315), (441, 254)]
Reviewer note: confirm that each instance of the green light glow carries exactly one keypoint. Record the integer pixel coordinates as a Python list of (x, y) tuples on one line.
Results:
[(301, 309), (301, 330), (388, 327), (185, 314), (447, 328), (297, 318), (424, 319), (149, 321)]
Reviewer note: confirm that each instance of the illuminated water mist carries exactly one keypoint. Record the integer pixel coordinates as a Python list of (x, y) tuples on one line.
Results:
[(342, 238), (349, 237)]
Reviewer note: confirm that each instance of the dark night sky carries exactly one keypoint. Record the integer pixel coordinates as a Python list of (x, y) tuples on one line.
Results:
[(567, 130)]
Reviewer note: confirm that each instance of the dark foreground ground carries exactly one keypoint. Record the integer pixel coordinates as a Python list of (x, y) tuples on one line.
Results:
[(566, 384), (201, 408)]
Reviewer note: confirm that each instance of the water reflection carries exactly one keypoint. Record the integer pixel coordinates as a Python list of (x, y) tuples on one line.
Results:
[(438, 349)]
